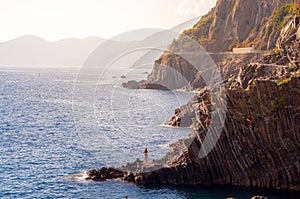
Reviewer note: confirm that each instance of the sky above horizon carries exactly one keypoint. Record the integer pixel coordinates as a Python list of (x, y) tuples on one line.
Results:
[(59, 19)]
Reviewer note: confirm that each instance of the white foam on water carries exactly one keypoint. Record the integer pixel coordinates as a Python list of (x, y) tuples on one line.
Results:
[(80, 177)]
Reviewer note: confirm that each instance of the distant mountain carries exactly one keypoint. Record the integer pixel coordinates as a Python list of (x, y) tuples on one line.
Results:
[(30, 50)]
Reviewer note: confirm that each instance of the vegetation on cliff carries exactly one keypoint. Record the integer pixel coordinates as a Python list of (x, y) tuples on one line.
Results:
[(260, 141), (265, 34), (238, 23)]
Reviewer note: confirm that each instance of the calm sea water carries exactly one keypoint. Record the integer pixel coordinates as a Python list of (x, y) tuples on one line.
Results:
[(44, 145)]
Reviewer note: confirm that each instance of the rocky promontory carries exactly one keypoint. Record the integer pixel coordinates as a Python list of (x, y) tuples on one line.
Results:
[(259, 143), (230, 24)]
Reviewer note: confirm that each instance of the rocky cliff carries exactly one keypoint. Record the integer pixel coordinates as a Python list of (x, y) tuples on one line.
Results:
[(265, 154), (259, 143), (232, 23)]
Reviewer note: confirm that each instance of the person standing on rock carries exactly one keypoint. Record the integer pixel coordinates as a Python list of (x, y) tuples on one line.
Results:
[(207, 122), (250, 123), (146, 155)]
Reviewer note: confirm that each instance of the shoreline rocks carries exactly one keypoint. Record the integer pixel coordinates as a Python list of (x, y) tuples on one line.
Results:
[(265, 155), (132, 84), (104, 174), (260, 141)]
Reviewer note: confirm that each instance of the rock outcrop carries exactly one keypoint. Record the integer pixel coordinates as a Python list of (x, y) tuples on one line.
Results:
[(259, 143), (232, 23), (265, 154), (198, 105), (132, 84), (104, 174)]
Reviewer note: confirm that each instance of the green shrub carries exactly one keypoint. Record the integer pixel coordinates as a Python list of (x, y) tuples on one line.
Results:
[(280, 18), (276, 50), (285, 81), (280, 14)]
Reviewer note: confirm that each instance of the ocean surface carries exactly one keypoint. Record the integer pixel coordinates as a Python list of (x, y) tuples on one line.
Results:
[(48, 139)]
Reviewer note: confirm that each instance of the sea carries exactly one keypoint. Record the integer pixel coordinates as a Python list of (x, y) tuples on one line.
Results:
[(50, 137)]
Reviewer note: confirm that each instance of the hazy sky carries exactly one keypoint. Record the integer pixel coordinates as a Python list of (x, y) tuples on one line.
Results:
[(57, 19)]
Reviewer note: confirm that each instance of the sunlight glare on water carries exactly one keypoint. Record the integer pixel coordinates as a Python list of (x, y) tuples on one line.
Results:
[(42, 155)]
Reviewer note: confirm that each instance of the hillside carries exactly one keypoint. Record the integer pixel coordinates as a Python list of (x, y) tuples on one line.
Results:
[(232, 23), (253, 137), (30, 50), (240, 23)]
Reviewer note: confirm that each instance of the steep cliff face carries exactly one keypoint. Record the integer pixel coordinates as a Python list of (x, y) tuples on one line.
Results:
[(232, 23), (263, 154), (172, 71), (235, 21), (260, 142), (278, 66)]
